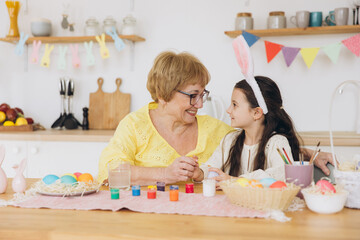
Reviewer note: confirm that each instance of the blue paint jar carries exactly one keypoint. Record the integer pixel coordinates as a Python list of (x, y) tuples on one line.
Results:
[(136, 190)]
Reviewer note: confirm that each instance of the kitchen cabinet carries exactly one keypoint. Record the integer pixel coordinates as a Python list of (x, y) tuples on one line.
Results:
[(299, 31), (56, 157)]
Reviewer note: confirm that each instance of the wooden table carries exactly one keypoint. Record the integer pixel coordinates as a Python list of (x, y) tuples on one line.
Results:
[(21, 223)]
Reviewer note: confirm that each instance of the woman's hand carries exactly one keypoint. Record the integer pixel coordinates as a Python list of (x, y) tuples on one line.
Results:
[(322, 159), (222, 176), (182, 169)]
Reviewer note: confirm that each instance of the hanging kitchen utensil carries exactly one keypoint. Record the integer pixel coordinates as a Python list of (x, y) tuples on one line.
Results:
[(60, 121), (70, 121)]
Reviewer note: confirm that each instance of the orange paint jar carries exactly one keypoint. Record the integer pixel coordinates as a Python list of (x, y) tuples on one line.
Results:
[(174, 193)]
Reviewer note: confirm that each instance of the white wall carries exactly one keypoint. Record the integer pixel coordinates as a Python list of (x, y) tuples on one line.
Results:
[(196, 26)]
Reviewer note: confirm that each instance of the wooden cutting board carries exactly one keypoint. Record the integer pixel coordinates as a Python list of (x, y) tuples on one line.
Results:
[(107, 109)]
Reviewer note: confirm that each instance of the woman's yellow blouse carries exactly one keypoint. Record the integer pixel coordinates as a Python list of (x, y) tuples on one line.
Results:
[(137, 141)]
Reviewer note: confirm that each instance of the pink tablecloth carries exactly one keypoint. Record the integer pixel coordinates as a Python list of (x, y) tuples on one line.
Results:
[(192, 204)]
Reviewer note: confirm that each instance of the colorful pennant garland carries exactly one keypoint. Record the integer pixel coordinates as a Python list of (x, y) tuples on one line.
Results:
[(308, 54)]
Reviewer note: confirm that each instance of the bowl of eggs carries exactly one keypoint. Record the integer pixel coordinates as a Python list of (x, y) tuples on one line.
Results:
[(324, 197), (68, 184), (264, 194)]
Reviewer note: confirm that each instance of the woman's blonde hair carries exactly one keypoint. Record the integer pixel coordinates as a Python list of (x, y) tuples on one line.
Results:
[(173, 71)]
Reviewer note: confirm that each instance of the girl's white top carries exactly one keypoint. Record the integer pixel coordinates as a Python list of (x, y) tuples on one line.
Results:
[(274, 164)]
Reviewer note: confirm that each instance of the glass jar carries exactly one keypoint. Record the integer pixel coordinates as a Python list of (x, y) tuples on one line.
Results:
[(91, 27), (108, 24), (129, 25), (244, 21), (276, 20)]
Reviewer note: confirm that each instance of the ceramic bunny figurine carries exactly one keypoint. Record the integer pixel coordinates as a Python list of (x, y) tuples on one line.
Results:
[(19, 182), (3, 178)]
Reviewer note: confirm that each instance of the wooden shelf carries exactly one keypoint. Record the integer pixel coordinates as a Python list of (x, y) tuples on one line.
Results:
[(299, 31), (133, 38)]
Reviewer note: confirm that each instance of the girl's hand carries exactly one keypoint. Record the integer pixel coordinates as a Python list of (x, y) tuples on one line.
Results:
[(182, 169), (222, 176), (322, 159)]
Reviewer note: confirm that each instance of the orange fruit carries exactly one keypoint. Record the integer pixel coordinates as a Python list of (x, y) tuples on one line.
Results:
[(9, 123), (2, 116), (85, 177), (20, 121)]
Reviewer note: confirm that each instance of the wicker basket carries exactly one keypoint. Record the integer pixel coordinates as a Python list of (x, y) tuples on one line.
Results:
[(260, 198), (351, 182)]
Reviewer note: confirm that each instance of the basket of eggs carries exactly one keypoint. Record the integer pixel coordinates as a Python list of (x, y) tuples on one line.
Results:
[(264, 194)]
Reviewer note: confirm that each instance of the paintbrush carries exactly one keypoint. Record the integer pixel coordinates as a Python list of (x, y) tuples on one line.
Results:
[(314, 153)]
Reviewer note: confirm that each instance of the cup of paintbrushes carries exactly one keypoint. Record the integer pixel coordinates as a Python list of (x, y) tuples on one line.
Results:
[(301, 174)]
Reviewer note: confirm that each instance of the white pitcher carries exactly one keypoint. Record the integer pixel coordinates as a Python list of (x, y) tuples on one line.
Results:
[(214, 106)]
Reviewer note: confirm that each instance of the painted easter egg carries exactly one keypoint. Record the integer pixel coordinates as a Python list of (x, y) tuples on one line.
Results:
[(77, 174), (85, 177), (50, 179), (255, 184), (266, 182), (278, 184), (70, 174), (67, 179), (244, 182), (212, 174), (325, 186)]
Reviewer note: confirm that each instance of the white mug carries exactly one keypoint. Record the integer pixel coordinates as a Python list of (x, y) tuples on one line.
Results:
[(213, 107), (302, 19)]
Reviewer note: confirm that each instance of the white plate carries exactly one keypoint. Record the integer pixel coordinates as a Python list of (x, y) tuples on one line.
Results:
[(74, 194)]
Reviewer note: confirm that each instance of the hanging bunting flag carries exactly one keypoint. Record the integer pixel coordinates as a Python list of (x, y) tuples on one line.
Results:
[(62, 58), (75, 55), (309, 55), (104, 51), (289, 54), (45, 60), (353, 44), (332, 51), (272, 49), (250, 38), (35, 52), (90, 59)]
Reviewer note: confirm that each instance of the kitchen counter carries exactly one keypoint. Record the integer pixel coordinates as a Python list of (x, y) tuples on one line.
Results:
[(310, 138), (22, 223)]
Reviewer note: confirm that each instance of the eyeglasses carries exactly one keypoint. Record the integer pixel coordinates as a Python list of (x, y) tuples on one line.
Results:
[(194, 98)]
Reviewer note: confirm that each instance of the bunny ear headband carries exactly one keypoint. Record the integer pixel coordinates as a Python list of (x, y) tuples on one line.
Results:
[(244, 59)]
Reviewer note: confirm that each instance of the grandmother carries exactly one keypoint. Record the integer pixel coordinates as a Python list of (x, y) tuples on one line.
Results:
[(166, 140)]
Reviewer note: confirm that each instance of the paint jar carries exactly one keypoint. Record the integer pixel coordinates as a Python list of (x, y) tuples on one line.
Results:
[(136, 190), (244, 21), (209, 187), (151, 192), (160, 186), (174, 193), (189, 188), (115, 194)]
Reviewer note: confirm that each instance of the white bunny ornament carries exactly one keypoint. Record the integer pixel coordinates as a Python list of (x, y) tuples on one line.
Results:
[(19, 182), (3, 178)]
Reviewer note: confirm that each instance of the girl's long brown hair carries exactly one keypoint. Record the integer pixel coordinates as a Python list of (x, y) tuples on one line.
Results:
[(277, 121)]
